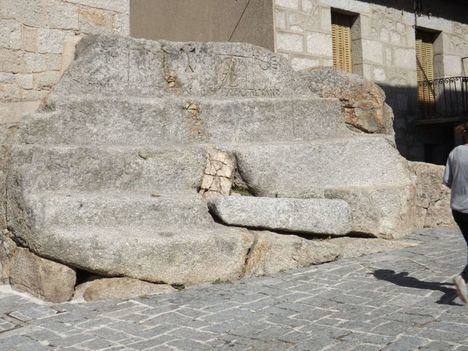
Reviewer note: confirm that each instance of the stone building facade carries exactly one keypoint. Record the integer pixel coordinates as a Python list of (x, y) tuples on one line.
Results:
[(37, 38), (384, 50)]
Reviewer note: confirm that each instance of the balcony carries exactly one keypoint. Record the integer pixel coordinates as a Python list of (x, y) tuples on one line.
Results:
[(443, 100)]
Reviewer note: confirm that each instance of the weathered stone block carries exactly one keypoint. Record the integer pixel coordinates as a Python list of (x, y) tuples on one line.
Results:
[(172, 255), (10, 34), (121, 6), (219, 174), (28, 12), (404, 58), (30, 39), (46, 80), (119, 66), (51, 40), (62, 15), (25, 81), (366, 172), (319, 44), (11, 60), (119, 288), (432, 197), (43, 278), (273, 253), (92, 20), (35, 62), (362, 100), (290, 42), (372, 51), (309, 216), (300, 63), (292, 4)]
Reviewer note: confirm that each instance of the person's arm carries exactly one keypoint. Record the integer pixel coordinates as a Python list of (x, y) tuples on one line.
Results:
[(448, 176)]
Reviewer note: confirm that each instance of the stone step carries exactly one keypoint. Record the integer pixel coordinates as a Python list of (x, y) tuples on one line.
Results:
[(75, 168), (134, 121), (118, 208), (173, 255), (366, 172), (306, 216), (124, 66)]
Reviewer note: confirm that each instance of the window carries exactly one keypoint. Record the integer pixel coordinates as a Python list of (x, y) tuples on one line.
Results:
[(341, 41)]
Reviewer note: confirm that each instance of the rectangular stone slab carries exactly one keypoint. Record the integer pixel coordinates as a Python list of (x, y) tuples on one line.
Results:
[(312, 216), (156, 121)]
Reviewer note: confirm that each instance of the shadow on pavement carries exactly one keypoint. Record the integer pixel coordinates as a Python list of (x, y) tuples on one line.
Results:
[(403, 279)]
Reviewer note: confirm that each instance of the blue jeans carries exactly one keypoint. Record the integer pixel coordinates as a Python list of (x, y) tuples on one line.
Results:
[(462, 221)]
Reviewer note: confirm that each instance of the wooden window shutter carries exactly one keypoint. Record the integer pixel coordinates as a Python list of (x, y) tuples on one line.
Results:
[(425, 66), (341, 41)]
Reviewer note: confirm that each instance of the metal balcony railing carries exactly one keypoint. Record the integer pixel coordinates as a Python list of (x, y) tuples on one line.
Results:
[(443, 98)]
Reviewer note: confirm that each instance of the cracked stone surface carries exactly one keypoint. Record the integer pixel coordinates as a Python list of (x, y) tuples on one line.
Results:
[(219, 173), (401, 300)]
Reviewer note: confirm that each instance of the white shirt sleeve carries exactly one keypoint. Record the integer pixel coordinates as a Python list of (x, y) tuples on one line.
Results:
[(448, 176)]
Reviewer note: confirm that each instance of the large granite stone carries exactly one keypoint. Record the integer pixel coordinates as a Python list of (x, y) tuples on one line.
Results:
[(161, 121), (310, 216), (94, 168), (363, 101), (272, 253), (40, 277), (105, 177), (113, 65), (171, 255), (366, 172)]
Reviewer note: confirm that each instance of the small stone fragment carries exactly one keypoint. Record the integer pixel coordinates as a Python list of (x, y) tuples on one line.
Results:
[(219, 174)]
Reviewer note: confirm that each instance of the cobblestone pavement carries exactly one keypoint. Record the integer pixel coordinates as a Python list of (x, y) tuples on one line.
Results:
[(400, 300)]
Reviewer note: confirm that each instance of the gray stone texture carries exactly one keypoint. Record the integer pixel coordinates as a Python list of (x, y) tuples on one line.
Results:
[(40, 277), (308, 216)]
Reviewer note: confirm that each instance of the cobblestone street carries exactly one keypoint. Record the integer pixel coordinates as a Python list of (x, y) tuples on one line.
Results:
[(401, 300)]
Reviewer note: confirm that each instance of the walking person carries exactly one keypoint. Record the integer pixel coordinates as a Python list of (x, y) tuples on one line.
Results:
[(456, 178)]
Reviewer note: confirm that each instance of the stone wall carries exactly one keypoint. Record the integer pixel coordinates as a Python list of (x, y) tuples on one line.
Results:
[(386, 53), (37, 39)]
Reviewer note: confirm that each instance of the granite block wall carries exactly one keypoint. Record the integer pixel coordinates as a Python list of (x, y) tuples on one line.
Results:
[(37, 39)]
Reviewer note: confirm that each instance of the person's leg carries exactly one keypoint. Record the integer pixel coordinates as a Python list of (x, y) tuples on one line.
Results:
[(462, 221), (460, 280)]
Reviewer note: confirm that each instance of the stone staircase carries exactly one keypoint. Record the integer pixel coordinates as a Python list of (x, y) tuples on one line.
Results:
[(106, 177)]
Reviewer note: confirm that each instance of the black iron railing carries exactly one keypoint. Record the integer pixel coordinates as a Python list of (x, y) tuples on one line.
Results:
[(443, 98)]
